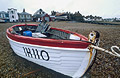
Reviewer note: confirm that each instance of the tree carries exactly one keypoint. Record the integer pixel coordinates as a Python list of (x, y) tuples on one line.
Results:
[(70, 16), (78, 17), (53, 12)]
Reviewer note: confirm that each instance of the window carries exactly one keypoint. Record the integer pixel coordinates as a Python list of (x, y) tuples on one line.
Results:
[(40, 12), (28, 16), (20, 16), (12, 16), (2, 15), (12, 12), (7, 15)]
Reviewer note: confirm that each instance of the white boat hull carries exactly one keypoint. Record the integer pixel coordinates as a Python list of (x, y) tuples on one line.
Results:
[(72, 62)]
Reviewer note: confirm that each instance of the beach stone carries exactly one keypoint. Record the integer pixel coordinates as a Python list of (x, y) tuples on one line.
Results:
[(105, 66)]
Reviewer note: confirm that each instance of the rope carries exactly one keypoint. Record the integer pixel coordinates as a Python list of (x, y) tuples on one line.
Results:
[(112, 52)]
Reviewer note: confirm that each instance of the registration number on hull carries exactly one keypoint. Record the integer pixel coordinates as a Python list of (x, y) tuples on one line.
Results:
[(34, 53)]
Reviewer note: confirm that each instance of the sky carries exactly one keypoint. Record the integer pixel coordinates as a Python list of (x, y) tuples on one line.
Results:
[(103, 8)]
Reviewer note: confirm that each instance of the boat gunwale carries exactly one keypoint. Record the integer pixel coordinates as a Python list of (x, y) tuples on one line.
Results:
[(49, 42)]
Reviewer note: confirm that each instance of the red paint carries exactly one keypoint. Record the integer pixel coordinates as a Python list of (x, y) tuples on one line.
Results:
[(49, 42), (46, 15)]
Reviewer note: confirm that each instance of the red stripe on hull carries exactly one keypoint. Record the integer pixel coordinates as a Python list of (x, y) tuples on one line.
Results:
[(49, 42)]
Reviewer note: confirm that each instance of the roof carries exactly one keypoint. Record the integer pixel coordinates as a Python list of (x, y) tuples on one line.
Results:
[(60, 14), (11, 9), (38, 12), (39, 15), (24, 13), (2, 12)]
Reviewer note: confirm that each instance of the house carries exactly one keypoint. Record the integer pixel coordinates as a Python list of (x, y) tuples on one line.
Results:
[(93, 18), (109, 19), (117, 20), (13, 15), (52, 17), (40, 15), (24, 16), (61, 16), (2, 21), (4, 16)]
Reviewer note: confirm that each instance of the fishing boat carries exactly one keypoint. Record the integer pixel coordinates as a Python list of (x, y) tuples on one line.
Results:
[(61, 50)]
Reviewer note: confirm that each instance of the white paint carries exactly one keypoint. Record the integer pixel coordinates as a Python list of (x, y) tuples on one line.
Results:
[(38, 35), (13, 15), (71, 62), (74, 37), (20, 28)]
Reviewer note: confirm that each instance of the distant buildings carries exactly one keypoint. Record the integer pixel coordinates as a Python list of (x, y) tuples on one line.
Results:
[(10, 16), (24, 16), (117, 19), (61, 16), (109, 19), (40, 15), (13, 15), (112, 19), (52, 17), (4, 16), (93, 18)]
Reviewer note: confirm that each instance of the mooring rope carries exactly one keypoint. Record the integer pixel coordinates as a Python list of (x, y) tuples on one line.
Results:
[(112, 52)]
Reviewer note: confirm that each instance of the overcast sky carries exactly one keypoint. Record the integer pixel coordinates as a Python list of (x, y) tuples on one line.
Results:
[(103, 8)]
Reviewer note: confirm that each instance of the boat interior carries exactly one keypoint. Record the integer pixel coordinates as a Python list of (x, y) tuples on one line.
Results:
[(43, 30)]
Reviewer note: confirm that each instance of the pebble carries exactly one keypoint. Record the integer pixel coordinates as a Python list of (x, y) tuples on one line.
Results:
[(105, 66)]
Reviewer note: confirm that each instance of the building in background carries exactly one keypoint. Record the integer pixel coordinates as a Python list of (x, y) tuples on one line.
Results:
[(24, 16), (40, 15), (109, 19), (4, 16), (13, 15), (61, 16), (93, 18), (52, 17)]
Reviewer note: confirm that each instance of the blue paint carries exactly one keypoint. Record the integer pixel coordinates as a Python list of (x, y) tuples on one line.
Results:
[(27, 33)]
